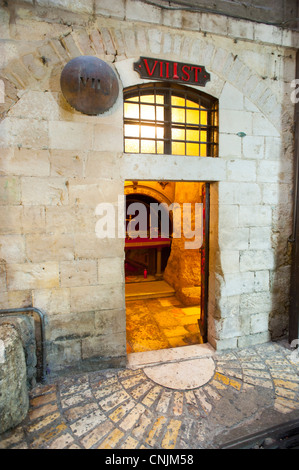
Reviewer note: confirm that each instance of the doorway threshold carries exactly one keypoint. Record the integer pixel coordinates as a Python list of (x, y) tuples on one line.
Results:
[(165, 356)]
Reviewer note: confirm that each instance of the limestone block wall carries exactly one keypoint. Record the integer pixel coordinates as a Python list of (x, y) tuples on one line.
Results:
[(255, 215), (183, 270), (57, 165)]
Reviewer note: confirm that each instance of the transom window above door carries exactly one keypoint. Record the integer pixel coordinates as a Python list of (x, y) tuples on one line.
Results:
[(170, 119)]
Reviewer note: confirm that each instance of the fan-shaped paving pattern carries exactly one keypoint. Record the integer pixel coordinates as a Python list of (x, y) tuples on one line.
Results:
[(126, 409)]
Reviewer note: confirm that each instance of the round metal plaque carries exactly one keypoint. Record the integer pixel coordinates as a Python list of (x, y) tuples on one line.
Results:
[(89, 85)]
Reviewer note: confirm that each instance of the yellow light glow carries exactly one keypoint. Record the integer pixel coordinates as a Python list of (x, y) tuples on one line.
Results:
[(193, 135), (147, 112), (147, 98), (192, 116), (160, 113), (192, 104), (160, 146), (203, 117), (148, 132), (203, 136), (178, 148), (160, 99), (131, 146), (178, 115), (203, 150), (177, 101), (133, 98), (192, 149), (178, 134), (145, 135), (131, 130), (148, 146), (131, 110)]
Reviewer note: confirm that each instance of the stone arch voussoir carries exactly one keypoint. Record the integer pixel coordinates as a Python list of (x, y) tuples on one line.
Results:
[(112, 44)]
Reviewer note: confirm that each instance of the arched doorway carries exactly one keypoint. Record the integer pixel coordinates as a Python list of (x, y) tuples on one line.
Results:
[(147, 247), (164, 281)]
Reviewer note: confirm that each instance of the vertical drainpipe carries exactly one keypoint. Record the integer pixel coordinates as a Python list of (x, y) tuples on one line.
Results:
[(294, 291)]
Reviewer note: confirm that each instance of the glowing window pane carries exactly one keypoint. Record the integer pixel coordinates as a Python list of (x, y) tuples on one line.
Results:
[(192, 149), (203, 117), (131, 146), (192, 104), (131, 130), (160, 113), (133, 98), (131, 110), (192, 135), (178, 134), (203, 150), (203, 136), (160, 132), (178, 115), (178, 148), (147, 99), (177, 101), (147, 112), (160, 146), (160, 99), (192, 116), (148, 146), (148, 131)]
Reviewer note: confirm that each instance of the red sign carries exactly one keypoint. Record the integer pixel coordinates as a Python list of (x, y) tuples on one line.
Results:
[(158, 69)]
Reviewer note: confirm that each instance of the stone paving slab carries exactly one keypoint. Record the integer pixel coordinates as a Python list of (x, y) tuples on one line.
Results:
[(125, 409)]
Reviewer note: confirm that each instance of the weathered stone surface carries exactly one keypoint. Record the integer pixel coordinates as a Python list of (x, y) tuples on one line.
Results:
[(32, 276), (25, 327), (57, 165), (14, 401), (190, 295), (25, 162), (44, 191)]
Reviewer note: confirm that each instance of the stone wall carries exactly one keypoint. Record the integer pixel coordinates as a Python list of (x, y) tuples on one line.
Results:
[(282, 13), (56, 165), (183, 270)]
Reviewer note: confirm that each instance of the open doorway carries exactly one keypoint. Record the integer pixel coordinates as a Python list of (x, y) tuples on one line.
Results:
[(166, 278)]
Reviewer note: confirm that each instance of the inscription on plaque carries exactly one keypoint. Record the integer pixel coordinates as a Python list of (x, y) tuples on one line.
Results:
[(89, 85)]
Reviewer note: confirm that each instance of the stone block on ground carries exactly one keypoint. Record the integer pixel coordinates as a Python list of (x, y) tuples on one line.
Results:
[(14, 400), (190, 295)]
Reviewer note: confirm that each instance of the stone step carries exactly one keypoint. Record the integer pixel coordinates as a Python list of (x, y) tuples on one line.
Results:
[(148, 290)]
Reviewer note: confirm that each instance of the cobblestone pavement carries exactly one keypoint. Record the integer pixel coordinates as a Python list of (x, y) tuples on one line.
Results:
[(125, 409)]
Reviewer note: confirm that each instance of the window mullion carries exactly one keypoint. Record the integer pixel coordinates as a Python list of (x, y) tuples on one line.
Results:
[(139, 106), (167, 125)]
